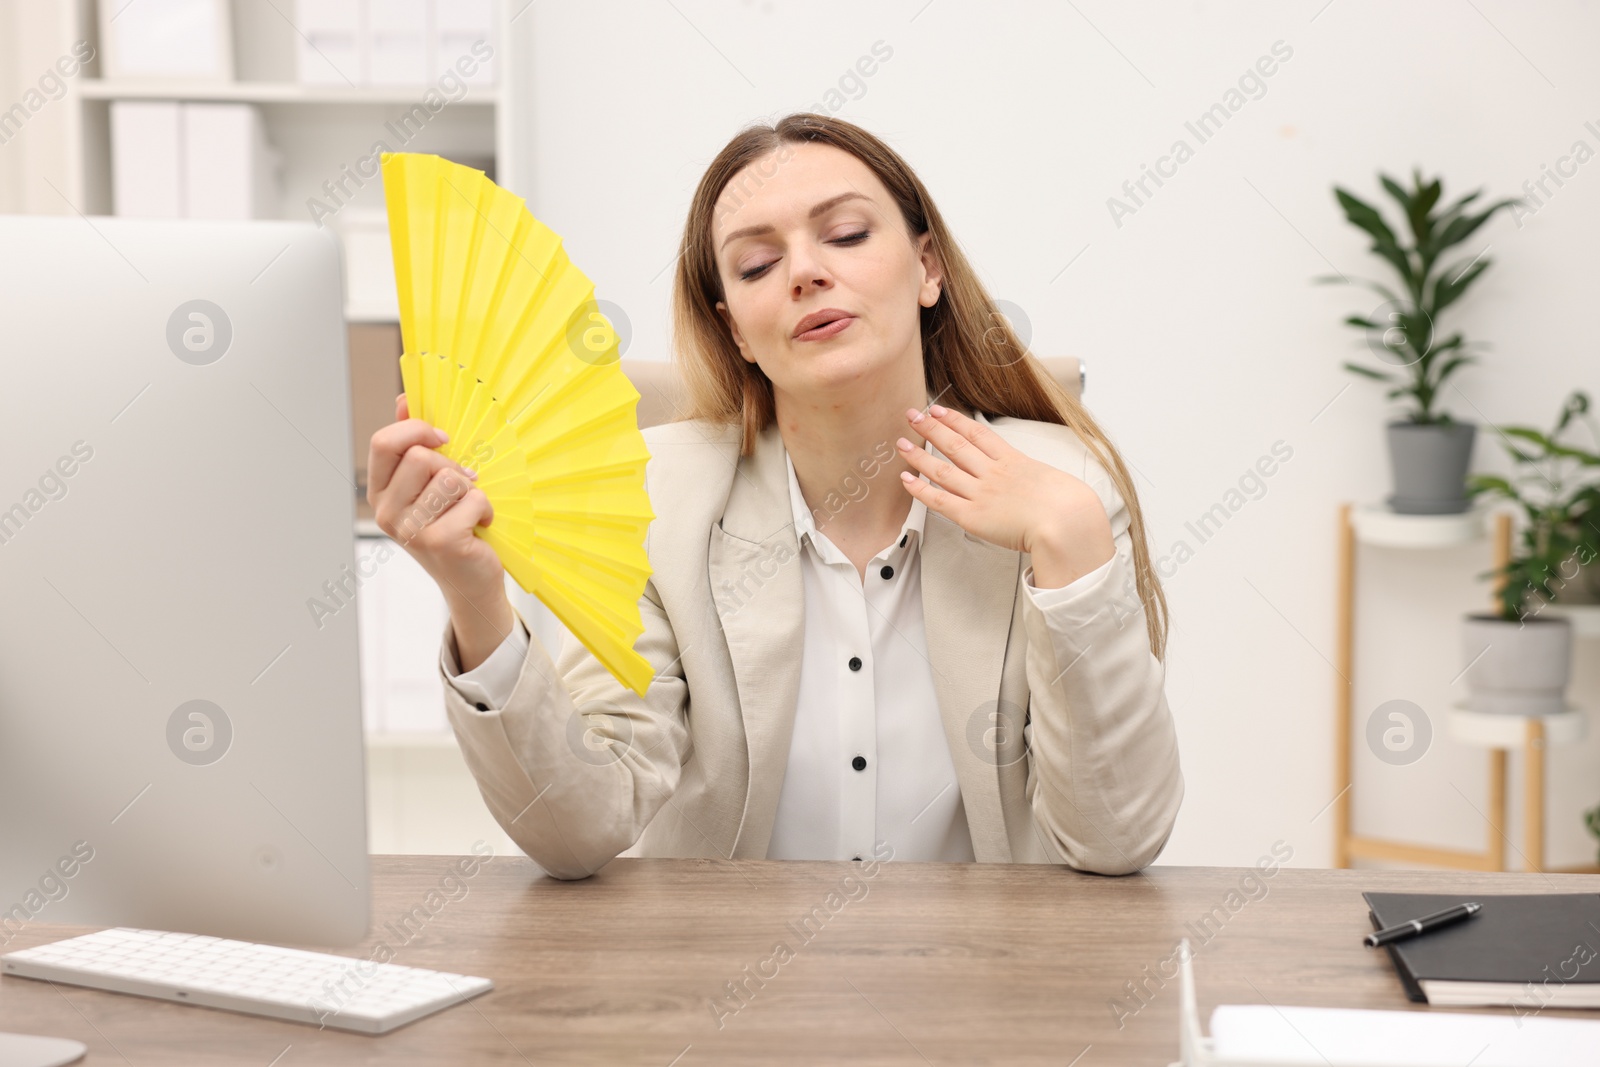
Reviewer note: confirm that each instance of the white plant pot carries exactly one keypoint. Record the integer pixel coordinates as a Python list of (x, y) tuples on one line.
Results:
[(1517, 668)]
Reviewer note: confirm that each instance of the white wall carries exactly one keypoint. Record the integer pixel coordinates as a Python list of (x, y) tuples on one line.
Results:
[(1205, 341)]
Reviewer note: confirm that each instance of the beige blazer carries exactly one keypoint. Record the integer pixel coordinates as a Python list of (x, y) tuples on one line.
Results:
[(576, 768)]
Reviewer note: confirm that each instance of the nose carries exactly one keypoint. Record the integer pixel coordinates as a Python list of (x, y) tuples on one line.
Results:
[(806, 272)]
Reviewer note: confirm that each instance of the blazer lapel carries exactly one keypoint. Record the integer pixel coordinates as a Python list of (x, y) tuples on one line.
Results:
[(754, 565), (969, 590)]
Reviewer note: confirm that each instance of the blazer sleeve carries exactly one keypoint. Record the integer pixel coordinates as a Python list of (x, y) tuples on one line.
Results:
[(1103, 778), (574, 765)]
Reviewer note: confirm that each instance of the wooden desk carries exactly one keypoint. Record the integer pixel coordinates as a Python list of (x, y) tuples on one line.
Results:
[(932, 963)]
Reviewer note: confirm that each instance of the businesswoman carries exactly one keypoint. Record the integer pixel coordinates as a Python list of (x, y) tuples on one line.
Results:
[(902, 603)]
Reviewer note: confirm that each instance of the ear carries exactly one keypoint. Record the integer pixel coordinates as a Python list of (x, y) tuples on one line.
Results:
[(932, 275), (733, 331)]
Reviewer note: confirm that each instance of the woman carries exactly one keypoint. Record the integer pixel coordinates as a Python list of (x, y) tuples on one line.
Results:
[(849, 658)]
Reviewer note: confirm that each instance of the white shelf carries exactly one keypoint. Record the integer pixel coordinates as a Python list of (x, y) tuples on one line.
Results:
[(1377, 525), (259, 92), (318, 129), (1585, 617), (372, 313), (1498, 730)]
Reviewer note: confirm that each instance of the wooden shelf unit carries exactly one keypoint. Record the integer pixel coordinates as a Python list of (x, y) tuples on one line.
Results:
[(1529, 733)]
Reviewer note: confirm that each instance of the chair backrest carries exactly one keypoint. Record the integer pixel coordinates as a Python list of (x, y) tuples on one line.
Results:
[(661, 393)]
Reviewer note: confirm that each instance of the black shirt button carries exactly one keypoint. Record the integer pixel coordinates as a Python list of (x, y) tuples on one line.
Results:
[(859, 763), (481, 706), (903, 540), (855, 857), (855, 663), (887, 572)]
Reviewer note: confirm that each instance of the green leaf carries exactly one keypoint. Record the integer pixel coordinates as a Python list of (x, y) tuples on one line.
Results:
[(1493, 483), (1449, 366), (1368, 372), (1448, 290), (1377, 287), (1527, 433), (1576, 404), (1401, 197), (1398, 259), (1457, 207), (1365, 216), (1365, 324), (1459, 229), (1421, 205), (1587, 459), (1416, 333)]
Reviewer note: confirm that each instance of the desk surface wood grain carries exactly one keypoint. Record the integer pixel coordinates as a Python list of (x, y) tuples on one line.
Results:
[(916, 964)]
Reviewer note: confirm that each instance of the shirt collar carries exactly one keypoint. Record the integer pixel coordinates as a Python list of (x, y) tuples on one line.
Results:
[(805, 524)]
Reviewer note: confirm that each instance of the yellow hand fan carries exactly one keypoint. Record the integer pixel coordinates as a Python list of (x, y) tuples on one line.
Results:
[(507, 352)]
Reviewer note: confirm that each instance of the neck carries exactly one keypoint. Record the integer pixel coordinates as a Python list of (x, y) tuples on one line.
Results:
[(842, 445)]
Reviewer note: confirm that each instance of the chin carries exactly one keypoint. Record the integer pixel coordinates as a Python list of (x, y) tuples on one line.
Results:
[(840, 367)]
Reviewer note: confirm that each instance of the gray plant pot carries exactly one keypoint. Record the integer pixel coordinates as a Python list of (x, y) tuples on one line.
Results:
[(1517, 668), (1429, 462)]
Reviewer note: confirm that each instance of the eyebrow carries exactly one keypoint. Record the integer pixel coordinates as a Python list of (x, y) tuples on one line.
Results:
[(749, 231)]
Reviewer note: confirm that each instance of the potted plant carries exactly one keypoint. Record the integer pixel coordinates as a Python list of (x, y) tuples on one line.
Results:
[(1591, 819), (1519, 661), (1429, 451)]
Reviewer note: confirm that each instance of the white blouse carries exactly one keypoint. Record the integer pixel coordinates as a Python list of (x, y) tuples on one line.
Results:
[(868, 759)]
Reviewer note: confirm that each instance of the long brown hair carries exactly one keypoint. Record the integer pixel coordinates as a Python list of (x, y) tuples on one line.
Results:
[(972, 358)]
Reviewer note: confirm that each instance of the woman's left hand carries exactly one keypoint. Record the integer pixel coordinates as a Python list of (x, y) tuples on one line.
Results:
[(1008, 498)]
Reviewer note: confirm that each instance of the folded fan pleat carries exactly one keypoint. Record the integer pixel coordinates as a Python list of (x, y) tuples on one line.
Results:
[(507, 352)]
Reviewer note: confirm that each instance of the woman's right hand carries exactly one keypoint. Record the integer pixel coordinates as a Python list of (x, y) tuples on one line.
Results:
[(428, 504)]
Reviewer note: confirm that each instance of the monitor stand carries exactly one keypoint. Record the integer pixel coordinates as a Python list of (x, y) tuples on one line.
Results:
[(24, 1050)]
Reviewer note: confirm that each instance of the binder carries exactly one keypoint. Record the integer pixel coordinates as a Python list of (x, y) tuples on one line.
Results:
[(146, 159), (1527, 951), (230, 169)]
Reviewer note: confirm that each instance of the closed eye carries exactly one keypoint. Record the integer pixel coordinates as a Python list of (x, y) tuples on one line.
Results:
[(847, 240)]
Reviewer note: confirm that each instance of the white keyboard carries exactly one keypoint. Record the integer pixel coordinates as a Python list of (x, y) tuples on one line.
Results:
[(342, 992)]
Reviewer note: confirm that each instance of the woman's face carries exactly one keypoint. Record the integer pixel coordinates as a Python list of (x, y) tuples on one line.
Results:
[(810, 232)]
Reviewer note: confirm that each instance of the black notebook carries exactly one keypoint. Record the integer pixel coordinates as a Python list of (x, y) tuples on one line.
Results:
[(1531, 952)]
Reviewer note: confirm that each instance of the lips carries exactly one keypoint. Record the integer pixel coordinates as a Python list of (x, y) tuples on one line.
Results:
[(822, 324)]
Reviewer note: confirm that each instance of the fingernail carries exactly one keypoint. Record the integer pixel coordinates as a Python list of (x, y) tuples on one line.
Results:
[(470, 472), (907, 476), (443, 437), (916, 416), (937, 411)]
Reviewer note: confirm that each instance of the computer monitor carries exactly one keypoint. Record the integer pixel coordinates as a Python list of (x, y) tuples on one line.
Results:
[(180, 726)]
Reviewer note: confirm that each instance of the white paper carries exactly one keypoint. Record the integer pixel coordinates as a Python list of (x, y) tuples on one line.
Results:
[(1341, 1037)]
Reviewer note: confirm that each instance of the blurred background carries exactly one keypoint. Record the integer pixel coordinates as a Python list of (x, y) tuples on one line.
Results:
[(1148, 187)]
